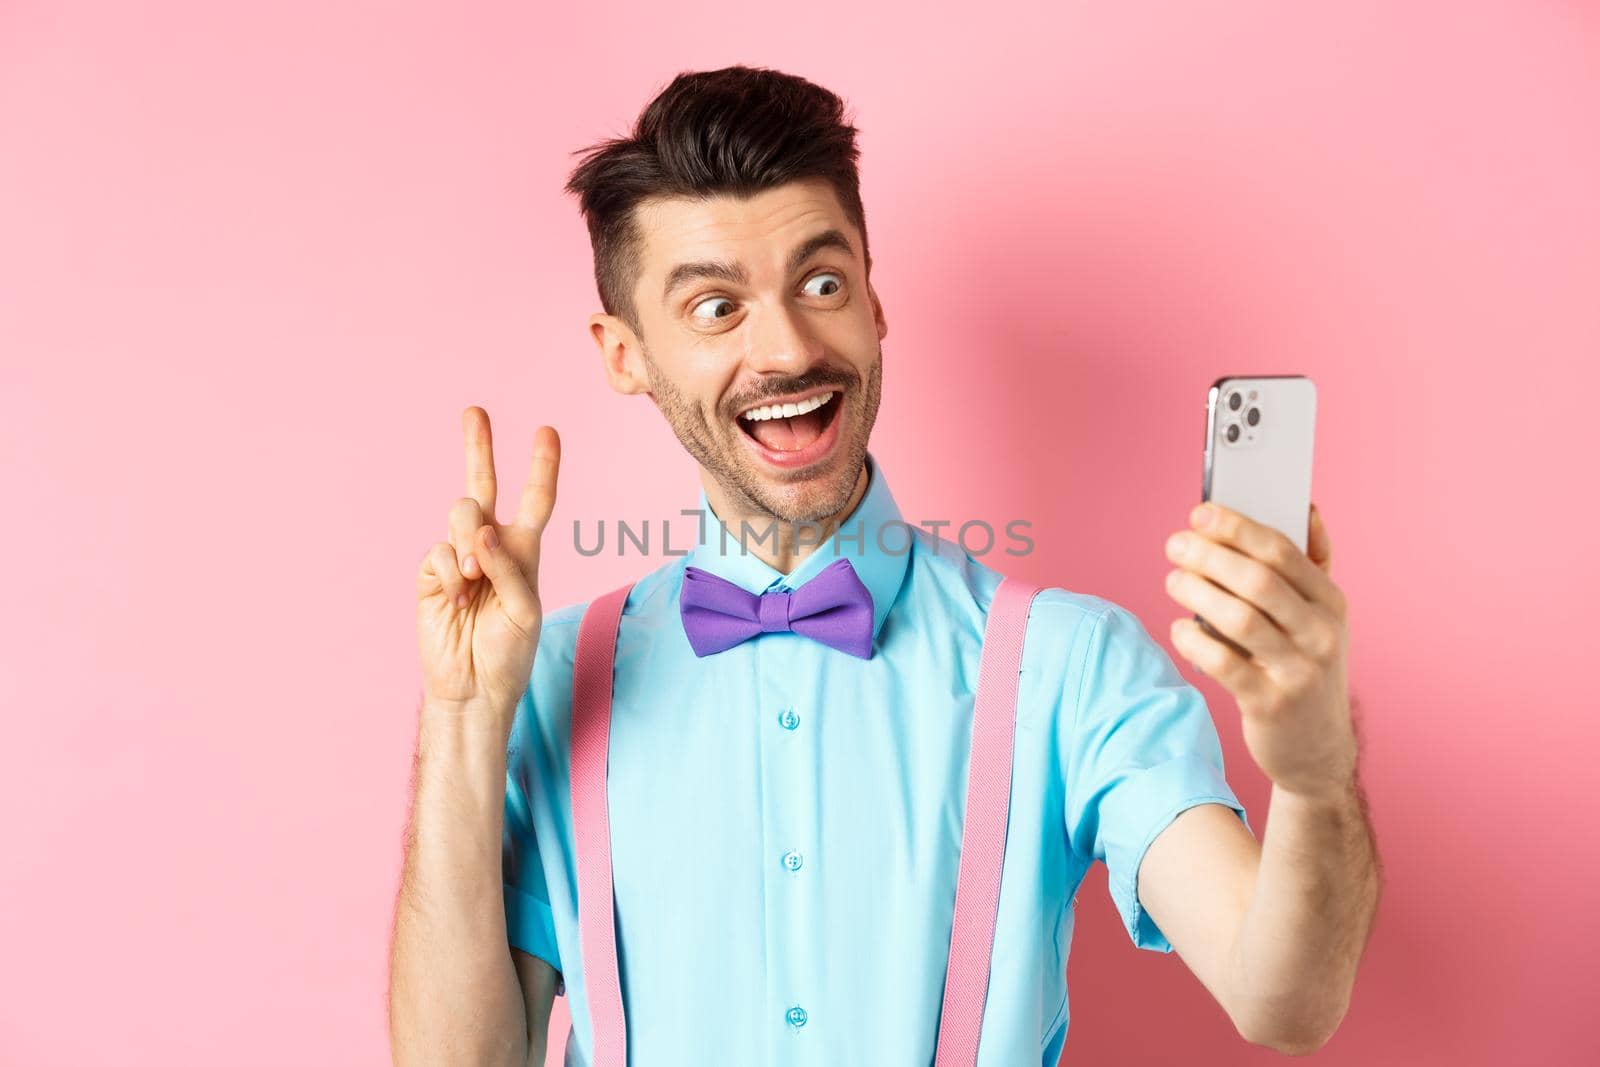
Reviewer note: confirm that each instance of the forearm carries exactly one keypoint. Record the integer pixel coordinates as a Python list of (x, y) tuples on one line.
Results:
[(454, 993), (1302, 937)]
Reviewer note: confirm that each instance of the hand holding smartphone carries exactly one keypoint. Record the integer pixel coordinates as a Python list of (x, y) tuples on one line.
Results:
[(1259, 436)]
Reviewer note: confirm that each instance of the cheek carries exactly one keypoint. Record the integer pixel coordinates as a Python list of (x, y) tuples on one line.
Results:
[(857, 336), (702, 380)]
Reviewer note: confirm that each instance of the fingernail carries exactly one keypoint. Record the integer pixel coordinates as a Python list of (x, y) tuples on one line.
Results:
[(469, 564), (461, 600), (1201, 516), (490, 539)]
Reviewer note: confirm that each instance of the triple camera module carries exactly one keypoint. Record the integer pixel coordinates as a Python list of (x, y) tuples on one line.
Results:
[(1241, 415)]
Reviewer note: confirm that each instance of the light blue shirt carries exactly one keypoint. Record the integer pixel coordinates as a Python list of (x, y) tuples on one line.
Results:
[(786, 818)]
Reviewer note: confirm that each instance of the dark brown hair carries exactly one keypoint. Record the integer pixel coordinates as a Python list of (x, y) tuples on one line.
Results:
[(739, 130)]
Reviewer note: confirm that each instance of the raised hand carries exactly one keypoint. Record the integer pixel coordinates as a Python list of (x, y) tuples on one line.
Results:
[(478, 612), (1287, 621)]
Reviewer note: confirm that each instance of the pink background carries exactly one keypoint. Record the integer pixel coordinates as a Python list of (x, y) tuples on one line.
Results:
[(254, 264)]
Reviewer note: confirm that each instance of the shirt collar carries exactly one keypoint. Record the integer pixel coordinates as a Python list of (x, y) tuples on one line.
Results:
[(874, 538)]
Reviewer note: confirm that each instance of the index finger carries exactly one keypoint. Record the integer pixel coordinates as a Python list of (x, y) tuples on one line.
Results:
[(480, 460)]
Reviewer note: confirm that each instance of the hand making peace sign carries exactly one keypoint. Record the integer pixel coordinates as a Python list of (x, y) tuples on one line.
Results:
[(478, 612)]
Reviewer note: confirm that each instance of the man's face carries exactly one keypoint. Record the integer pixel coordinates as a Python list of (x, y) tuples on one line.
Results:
[(754, 302)]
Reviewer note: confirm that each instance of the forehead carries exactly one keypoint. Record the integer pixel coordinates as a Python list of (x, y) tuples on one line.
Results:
[(758, 231)]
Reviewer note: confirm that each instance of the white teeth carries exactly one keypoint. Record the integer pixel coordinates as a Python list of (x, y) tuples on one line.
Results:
[(786, 411)]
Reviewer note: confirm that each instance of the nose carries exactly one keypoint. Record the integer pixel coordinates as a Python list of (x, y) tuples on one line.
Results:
[(780, 342)]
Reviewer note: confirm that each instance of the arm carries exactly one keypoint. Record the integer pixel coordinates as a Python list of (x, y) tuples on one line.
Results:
[(455, 994), (1275, 932)]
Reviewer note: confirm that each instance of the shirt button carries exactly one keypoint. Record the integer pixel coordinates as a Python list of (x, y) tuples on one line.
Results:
[(788, 720), (792, 860), (796, 1016)]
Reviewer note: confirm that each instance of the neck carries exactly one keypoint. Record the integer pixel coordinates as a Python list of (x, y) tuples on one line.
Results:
[(779, 543)]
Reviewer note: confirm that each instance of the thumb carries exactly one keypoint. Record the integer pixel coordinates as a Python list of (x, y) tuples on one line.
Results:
[(1318, 546), (505, 574)]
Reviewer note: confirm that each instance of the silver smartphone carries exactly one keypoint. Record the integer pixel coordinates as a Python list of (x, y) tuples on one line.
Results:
[(1259, 435)]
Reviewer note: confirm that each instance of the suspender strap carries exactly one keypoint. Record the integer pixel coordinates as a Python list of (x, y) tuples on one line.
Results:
[(983, 828), (983, 831), (591, 826)]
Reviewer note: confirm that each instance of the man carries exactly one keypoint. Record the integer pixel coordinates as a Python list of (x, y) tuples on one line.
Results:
[(785, 813)]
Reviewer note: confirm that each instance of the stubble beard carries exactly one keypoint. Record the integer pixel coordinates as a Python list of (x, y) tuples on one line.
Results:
[(728, 461)]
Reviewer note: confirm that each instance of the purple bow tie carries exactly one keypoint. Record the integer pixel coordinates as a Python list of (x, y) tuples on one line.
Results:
[(834, 608)]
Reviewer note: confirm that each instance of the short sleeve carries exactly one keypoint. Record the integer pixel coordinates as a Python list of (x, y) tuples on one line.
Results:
[(1141, 749), (530, 924)]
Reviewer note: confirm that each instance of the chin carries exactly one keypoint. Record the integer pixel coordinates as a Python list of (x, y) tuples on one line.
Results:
[(812, 495)]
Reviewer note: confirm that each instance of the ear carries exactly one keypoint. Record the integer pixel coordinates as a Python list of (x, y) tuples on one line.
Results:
[(877, 312), (619, 354)]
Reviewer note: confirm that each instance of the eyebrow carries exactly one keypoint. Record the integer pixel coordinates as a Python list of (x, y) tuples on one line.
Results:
[(735, 274)]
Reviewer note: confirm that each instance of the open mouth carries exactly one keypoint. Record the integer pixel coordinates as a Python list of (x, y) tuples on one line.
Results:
[(794, 432)]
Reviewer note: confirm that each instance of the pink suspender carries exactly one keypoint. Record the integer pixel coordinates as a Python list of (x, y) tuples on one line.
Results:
[(591, 828), (983, 826), (983, 831)]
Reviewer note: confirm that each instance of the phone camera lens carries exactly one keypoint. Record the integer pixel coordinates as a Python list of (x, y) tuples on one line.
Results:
[(1233, 432), (1234, 401), (1253, 416)]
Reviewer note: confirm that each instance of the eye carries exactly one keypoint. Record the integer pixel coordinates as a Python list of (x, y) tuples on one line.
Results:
[(834, 280), (711, 301)]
